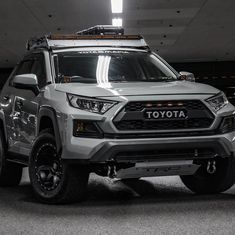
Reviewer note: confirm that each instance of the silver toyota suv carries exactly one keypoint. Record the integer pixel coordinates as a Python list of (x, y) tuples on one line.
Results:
[(100, 101)]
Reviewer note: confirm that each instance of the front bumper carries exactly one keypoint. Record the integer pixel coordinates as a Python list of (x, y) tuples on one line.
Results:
[(206, 143), (148, 149)]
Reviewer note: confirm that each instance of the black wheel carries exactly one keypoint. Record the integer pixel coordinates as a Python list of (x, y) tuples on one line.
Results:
[(10, 173), (53, 181), (203, 182)]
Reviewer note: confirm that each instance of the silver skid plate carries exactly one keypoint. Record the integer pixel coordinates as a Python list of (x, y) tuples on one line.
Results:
[(165, 168)]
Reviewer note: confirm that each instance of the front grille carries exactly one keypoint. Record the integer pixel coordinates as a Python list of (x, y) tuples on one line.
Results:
[(164, 125), (131, 117), (189, 105)]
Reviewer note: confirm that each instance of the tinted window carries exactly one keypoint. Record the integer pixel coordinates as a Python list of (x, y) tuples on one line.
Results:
[(38, 68), (24, 67), (110, 66), (33, 64)]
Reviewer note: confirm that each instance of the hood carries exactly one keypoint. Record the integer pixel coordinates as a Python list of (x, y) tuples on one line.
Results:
[(136, 88)]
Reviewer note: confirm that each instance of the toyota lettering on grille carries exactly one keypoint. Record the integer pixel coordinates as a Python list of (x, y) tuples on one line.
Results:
[(166, 114)]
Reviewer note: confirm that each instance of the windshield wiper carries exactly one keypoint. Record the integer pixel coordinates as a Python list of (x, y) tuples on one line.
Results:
[(161, 79)]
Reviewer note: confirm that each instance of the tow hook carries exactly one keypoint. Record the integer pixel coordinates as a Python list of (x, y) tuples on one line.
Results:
[(112, 173), (211, 167)]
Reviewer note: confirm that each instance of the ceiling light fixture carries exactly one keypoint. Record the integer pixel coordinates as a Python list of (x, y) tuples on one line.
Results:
[(117, 22), (116, 6)]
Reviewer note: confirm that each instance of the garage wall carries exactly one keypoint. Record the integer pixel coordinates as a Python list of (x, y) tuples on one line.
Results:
[(220, 74)]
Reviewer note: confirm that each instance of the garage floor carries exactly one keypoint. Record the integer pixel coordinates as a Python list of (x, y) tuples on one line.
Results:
[(153, 206)]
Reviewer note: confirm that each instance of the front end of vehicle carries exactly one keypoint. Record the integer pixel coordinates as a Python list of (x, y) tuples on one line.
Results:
[(125, 123), (116, 131)]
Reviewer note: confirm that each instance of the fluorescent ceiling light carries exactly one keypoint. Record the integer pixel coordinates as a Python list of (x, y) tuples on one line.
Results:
[(102, 69), (117, 22), (116, 6)]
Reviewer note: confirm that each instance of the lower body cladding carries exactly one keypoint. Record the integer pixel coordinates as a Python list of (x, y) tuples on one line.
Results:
[(135, 158)]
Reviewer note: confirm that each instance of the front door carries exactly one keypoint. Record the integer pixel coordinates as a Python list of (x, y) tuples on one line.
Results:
[(20, 116)]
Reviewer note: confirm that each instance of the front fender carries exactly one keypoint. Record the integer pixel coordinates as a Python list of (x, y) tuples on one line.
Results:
[(47, 111)]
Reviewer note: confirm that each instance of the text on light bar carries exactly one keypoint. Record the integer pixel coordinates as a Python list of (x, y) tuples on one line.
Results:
[(116, 6)]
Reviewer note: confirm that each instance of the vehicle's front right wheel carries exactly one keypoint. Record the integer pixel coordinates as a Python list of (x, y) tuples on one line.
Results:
[(53, 181), (203, 182)]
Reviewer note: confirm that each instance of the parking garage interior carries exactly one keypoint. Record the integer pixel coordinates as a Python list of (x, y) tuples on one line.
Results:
[(197, 36)]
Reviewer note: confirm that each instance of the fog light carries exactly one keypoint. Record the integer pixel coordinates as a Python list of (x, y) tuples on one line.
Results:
[(228, 124), (84, 128)]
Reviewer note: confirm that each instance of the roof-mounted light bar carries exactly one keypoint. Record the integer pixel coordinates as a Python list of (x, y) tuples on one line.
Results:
[(102, 30), (92, 37)]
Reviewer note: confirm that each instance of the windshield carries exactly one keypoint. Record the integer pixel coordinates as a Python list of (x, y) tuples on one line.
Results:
[(110, 66)]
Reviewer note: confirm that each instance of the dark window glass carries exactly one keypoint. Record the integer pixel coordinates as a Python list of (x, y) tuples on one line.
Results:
[(38, 68), (110, 66), (33, 64), (24, 67)]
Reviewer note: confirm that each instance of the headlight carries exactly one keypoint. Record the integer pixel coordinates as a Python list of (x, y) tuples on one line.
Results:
[(89, 104), (218, 101)]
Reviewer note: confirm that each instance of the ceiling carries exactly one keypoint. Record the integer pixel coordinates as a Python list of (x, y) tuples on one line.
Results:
[(178, 30)]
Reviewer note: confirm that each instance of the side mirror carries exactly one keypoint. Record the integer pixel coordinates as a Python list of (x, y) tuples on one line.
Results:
[(27, 82), (186, 76)]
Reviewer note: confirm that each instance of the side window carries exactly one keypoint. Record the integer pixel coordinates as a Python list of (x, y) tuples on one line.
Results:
[(23, 68), (35, 64), (38, 68)]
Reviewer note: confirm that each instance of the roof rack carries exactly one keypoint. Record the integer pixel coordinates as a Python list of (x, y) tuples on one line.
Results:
[(98, 36), (34, 43), (102, 30)]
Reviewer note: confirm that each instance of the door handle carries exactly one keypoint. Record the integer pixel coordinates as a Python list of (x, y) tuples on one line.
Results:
[(19, 103)]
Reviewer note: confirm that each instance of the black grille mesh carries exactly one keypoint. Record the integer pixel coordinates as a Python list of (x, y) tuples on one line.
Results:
[(142, 124), (190, 105), (163, 125)]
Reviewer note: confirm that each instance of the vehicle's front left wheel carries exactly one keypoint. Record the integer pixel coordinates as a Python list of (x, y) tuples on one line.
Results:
[(53, 181), (10, 173)]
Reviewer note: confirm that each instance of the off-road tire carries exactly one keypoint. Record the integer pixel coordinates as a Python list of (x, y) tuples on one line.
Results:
[(10, 173), (204, 183), (73, 179)]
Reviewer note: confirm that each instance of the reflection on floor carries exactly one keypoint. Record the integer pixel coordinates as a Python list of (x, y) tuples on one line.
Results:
[(147, 206)]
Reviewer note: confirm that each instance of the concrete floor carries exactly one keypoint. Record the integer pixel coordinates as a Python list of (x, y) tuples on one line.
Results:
[(153, 206)]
